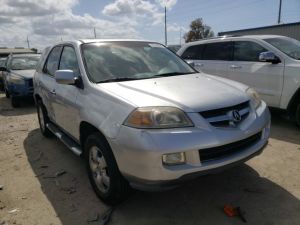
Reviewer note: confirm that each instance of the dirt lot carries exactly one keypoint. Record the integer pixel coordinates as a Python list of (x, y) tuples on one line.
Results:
[(267, 187)]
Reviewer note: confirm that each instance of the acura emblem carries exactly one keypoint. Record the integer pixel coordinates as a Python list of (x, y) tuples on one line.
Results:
[(236, 116)]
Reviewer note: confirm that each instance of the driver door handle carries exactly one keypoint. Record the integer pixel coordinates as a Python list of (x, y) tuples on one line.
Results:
[(199, 64), (235, 67), (53, 92)]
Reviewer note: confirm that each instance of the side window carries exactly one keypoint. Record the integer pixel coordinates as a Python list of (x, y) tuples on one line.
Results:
[(52, 61), (218, 51), (68, 60), (247, 51), (193, 52)]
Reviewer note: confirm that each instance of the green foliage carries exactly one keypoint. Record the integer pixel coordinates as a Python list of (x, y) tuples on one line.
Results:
[(198, 30)]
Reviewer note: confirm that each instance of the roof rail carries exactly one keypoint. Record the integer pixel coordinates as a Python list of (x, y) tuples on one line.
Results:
[(218, 37)]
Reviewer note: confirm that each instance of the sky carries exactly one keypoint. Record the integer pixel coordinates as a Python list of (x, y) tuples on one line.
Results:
[(46, 22)]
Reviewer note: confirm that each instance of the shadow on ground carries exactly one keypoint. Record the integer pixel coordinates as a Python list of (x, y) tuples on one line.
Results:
[(27, 107), (284, 130), (197, 202)]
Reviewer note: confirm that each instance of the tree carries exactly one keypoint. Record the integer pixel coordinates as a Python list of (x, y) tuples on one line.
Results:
[(198, 30)]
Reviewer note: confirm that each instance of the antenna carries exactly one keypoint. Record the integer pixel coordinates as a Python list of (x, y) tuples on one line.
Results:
[(166, 37), (95, 35), (279, 12), (180, 36), (28, 42)]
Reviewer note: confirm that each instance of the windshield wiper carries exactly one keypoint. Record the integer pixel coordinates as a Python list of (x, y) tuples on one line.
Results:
[(117, 79), (172, 74)]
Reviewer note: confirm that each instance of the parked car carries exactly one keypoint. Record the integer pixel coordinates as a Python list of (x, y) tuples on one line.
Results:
[(268, 63), (142, 117), (174, 48), (17, 76), (2, 64)]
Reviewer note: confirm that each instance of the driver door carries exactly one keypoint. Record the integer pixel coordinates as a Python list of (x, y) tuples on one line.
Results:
[(67, 108)]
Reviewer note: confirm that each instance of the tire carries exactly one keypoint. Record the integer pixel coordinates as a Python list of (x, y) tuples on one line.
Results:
[(6, 93), (298, 115), (43, 119), (15, 102), (105, 177)]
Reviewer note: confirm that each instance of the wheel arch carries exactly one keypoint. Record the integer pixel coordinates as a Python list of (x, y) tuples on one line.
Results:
[(86, 129), (292, 106)]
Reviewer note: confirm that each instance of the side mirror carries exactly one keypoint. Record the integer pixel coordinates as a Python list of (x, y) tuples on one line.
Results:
[(3, 69), (191, 63), (268, 57), (65, 77)]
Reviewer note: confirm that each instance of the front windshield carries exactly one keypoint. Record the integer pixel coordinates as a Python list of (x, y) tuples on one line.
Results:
[(289, 46), (131, 60), (24, 62)]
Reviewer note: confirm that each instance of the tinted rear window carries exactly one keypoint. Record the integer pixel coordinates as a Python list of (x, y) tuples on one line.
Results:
[(193, 52), (218, 51)]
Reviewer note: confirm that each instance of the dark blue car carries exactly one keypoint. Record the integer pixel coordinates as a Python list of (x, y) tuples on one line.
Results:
[(17, 75)]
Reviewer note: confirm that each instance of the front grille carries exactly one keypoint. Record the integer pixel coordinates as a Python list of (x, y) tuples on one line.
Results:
[(30, 82), (228, 149), (222, 117)]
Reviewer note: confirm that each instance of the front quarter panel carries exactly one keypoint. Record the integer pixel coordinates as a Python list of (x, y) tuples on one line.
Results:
[(103, 110), (291, 83)]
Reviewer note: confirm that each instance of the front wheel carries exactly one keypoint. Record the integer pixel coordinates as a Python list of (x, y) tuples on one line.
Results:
[(15, 102), (7, 95), (104, 175), (43, 119)]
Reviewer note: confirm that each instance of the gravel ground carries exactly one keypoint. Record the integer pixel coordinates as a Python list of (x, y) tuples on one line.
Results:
[(267, 187)]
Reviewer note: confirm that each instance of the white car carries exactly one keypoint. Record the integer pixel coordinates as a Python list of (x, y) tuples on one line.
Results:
[(141, 116), (268, 63)]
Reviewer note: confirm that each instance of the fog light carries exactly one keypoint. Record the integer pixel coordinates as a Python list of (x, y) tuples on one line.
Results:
[(174, 158)]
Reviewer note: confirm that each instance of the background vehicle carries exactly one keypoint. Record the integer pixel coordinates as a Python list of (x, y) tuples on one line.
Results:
[(143, 117), (269, 63), (17, 75), (174, 48), (2, 64)]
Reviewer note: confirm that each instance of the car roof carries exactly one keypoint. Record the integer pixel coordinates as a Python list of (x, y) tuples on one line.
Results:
[(24, 55), (231, 38), (112, 40), (84, 41)]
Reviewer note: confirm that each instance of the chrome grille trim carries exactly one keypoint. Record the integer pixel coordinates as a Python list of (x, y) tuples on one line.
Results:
[(223, 118)]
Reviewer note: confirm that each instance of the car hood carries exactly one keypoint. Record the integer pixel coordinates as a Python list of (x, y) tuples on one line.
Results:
[(24, 73), (191, 93)]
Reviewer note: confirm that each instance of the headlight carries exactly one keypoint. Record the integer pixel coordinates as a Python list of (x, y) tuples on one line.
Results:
[(158, 117), (255, 99), (15, 79)]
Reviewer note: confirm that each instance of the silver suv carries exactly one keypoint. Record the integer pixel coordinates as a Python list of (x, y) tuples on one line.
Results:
[(142, 117), (268, 63)]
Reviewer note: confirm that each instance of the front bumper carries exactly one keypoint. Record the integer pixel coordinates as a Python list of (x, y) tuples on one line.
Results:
[(139, 152), (20, 90)]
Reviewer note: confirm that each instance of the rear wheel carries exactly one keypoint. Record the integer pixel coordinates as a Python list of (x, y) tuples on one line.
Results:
[(15, 101), (43, 119), (103, 171)]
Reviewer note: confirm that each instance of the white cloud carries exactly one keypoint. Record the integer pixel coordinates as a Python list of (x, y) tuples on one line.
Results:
[(174, 27), (134, 10), (34, 7), (167, 3), (48, 21)]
